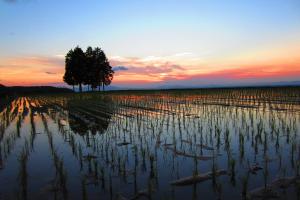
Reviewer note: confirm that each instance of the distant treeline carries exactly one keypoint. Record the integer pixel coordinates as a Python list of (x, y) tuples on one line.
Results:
[(19, 90)]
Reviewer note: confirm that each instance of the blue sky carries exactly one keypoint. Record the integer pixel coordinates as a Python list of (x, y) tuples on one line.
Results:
[(220, 34)]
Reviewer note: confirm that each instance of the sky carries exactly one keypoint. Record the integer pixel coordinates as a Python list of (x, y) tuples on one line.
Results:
[(153, 43)]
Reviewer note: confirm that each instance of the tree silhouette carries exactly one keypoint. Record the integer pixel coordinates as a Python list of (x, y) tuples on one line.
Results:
[(75, 67), (96, 69), (91, 68), (80, 67), (106, 71), (69, 77), (90, 63)]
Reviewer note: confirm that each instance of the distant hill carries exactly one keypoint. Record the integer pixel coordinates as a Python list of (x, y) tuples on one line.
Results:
[(20, 90)]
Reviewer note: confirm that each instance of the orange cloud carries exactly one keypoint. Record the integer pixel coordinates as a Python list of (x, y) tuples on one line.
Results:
[(159, 71), (152, 70), (31, 70), (251, 72)]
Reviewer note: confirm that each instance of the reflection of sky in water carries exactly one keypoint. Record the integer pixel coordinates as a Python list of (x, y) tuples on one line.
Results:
[(99, 127)]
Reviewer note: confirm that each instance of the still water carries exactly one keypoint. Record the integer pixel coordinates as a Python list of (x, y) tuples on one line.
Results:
[(150, 146)]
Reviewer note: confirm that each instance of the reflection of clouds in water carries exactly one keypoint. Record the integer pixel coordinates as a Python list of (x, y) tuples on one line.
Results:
[(154, 135)]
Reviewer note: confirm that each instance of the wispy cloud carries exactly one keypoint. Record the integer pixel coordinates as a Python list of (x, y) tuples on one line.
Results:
[(183, 58), (155, 70), (119, 68), (10, 1), (36, 60), (51, 73), (149, 65), (31, 70), (15, 1)]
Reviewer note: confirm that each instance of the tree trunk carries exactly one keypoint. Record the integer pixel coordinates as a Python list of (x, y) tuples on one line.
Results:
[(80, 87), (73, 88), (102, 86)]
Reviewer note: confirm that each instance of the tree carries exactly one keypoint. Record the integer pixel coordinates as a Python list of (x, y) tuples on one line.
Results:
[(91, 68), (108, 74), (105, 72), (90, 63), (75, 67), (79, 67), (69, 77)]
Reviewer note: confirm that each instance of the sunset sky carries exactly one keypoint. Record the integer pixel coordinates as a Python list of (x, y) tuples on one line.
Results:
[(153, 42)]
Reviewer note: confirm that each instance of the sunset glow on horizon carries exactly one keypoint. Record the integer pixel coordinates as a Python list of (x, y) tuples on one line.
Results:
[(149, 43)]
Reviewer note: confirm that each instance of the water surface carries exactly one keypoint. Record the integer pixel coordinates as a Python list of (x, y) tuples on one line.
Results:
[(135, 145)]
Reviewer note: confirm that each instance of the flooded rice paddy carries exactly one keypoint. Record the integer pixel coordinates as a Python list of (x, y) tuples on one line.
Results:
[(197, 144)]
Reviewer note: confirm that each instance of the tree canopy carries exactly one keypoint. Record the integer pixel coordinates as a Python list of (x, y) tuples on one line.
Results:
[(89, 68)]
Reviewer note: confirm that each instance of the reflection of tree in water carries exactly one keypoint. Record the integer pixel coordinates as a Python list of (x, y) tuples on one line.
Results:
[(77, 124), (90, 115), (4, 102), (8, 112)]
